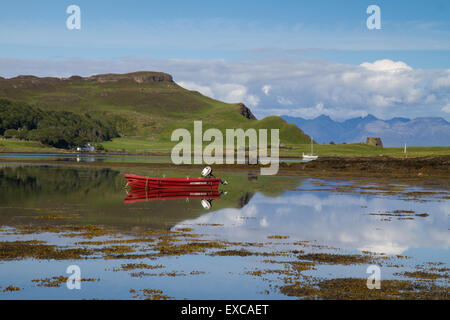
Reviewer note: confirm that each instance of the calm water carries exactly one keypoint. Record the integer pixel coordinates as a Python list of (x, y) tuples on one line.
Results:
[(274, 214), (86, 157)]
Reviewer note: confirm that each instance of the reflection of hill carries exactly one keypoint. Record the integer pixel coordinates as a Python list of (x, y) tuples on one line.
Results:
[(69, 195), (26, 183)]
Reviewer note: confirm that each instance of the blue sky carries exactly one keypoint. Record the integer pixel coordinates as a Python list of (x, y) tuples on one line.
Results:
[(229, 30), (113, 33)]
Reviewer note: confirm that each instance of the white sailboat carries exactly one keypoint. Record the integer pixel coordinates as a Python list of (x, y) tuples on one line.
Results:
[(310, 156)]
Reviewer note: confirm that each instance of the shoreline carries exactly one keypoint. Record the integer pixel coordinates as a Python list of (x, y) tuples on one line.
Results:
[(431, 166)]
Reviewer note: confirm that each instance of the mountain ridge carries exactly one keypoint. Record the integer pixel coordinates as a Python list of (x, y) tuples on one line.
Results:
[(421, 131)]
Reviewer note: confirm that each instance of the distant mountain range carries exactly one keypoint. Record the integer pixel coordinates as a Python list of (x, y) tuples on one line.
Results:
[(394, 132)]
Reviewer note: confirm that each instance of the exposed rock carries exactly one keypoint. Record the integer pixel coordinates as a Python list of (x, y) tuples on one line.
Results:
[(374, 141), (24, 77), (246, 112), (29, 81), (139, 77), (75, 78)]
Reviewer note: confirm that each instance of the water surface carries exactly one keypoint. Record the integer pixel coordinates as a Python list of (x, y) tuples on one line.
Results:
[(251, 236)]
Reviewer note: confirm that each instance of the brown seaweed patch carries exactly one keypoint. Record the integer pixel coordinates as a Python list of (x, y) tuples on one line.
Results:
[(134, 266), (161, 274), (195, 272), (248, 244), (241, 253), (354, 289), (277, 237), (10, 250), (422, 215), (329, 258), (151, 294), (402, 211), (168, 249), (294, 270), (83, 231), (113, 250), (300, 290), (422, 275), (11, 288), (57, 281), (100, 243), (244, 253), (151, 232), (184, 229), (131, 256), (300, 266), (257, 273)]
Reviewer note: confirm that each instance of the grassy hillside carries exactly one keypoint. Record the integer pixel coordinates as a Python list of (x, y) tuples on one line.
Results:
[(15, 145), (144, 106)]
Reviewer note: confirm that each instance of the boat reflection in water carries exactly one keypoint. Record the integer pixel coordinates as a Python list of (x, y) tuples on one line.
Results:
[(138, 195), (155, 188)]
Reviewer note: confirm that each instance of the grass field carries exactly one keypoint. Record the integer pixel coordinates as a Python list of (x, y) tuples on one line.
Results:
[(14, 145), (138, 145), (144, 145), (361, 149)]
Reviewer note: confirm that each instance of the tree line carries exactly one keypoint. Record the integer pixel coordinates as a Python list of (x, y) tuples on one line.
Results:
[(60, 129)]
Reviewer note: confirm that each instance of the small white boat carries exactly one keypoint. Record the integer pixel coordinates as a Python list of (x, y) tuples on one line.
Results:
[(310, 156)]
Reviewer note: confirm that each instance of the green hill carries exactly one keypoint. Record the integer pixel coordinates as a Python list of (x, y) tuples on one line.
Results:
[(144, 107)]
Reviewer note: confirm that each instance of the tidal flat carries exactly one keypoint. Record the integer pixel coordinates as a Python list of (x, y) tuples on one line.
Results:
[(290, 236)]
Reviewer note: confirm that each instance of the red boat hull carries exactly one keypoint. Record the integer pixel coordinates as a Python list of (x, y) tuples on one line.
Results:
[(196, 183), (138, 195)]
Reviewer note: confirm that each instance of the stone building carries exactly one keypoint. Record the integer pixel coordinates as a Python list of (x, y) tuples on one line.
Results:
[(374, 141)]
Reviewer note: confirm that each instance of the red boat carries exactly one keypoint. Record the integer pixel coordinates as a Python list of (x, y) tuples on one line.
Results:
[(140, 182), (207, 182), (137, 195)]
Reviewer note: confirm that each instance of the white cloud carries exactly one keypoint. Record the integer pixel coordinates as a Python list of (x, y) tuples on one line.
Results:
[(266, 89), (227, 92), (230, 92), (284, 101), (251, 100), (386, 65), (205, 90), (446, 108), (442, 81)]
